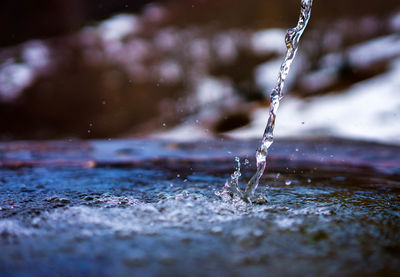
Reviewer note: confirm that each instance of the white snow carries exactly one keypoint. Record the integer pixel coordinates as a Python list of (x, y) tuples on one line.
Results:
[(36, 54), (170, 71), (266, 74), (395, 22), (119, 26), (210, 90), (369, 110), (225, 47), (267, 41), (14, 78), (376, 50)]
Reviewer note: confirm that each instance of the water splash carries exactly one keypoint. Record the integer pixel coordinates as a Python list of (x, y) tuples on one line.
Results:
[(232, 187), (292, 40)]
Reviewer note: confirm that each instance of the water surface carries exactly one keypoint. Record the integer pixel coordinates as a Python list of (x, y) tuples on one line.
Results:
[(159, 222)]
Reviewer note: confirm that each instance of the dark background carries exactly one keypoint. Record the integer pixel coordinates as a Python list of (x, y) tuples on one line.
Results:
[(74, 98), (26, 19)]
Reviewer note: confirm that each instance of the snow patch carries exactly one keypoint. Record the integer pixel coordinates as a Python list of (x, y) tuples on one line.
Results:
[(267, 41)]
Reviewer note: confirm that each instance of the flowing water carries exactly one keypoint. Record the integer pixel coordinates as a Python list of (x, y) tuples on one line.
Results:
[(292, 40), (148, 208), (149, 222)]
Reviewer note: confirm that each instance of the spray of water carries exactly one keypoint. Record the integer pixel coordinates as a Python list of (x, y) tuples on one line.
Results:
[(292, 40)]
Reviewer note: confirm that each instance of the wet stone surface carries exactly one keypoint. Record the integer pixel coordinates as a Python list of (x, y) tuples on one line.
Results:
[(154, 221)]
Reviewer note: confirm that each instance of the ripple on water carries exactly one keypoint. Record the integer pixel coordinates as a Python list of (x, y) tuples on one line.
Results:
[(149, 225)]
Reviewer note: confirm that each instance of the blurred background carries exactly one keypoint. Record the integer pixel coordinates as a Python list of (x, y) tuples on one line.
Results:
[(188, 69)]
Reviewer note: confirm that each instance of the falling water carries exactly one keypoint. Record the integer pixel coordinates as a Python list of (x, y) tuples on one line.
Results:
[(292, 42)]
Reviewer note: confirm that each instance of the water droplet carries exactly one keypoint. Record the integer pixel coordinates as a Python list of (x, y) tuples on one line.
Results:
[(288, 182), (297, 149), (308, 180)]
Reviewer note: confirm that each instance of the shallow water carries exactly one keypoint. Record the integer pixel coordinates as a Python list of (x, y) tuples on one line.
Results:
[(109, 221)]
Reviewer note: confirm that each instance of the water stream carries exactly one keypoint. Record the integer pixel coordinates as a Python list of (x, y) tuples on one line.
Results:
[(292, 40)]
